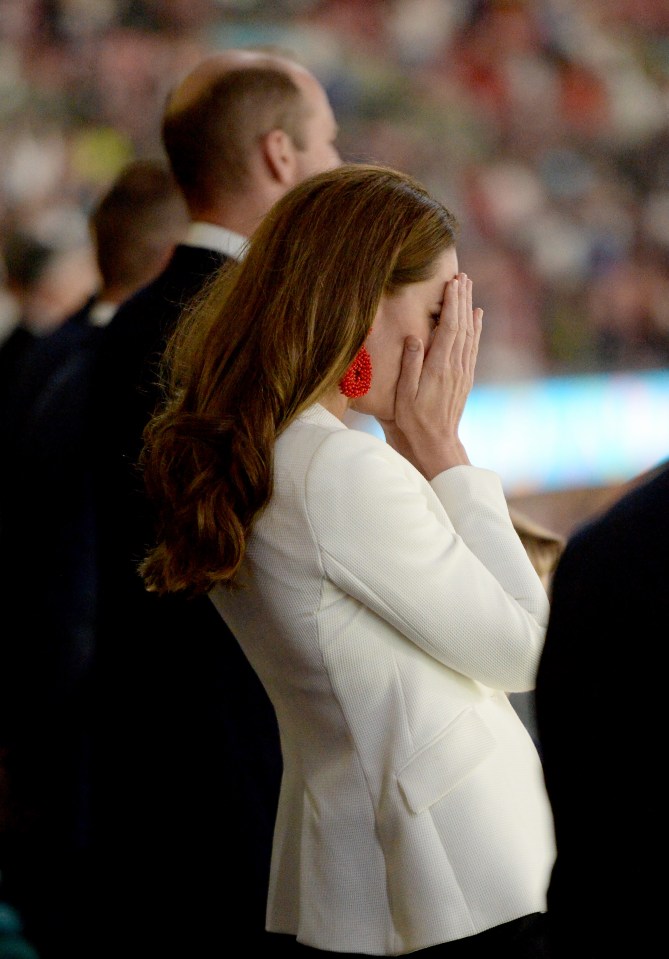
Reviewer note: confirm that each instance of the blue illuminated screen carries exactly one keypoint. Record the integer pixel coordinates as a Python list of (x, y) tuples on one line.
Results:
[(566, 432)]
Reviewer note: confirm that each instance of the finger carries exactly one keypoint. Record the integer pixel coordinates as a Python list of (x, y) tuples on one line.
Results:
[(464, 298), (469, 323), (412, 365), (441, 346), (477, 325)]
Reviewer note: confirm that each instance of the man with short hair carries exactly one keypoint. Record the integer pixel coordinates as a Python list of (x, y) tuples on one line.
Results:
[(186, 747), (241, 130)]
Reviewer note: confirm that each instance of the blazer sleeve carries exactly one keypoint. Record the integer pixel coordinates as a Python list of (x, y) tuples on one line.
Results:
[(441, 563)]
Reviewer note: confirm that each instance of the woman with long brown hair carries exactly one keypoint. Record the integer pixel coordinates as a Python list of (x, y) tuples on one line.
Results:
[(378, 589)]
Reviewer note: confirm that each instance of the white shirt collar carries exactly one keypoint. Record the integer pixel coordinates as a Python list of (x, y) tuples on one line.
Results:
[(102, 312), (210, 236)]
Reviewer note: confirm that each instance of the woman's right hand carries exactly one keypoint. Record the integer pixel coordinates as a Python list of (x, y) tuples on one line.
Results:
[(433, 387)]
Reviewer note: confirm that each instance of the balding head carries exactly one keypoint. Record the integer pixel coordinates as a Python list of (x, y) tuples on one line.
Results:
[(236, 116), (200, 80)]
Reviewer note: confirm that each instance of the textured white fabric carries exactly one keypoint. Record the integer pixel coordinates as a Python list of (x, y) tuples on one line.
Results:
[(385, 616)]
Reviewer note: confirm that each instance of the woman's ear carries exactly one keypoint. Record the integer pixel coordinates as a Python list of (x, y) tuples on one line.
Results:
[(278, 151)]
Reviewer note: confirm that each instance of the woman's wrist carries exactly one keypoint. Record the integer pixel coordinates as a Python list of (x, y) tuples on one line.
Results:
[(443, 458)]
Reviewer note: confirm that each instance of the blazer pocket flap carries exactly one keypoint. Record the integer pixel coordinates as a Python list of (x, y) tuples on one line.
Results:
[(446, 761)]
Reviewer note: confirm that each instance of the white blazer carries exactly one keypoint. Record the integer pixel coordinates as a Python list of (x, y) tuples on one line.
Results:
[(386, 616)]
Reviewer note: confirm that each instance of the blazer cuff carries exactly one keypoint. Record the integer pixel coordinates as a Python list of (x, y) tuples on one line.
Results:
[(462, 489)]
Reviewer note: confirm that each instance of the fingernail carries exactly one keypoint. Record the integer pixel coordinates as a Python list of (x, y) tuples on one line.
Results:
[(413, 344)]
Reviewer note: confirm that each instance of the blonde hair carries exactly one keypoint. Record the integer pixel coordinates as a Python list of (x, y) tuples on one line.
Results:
[(543, 546), (272, 335)]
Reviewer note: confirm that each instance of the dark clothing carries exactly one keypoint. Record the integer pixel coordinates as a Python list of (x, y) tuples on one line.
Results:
[(187, 761), (46, 535), (14, 351), (27, 363), (523, 938), (48, 576), (601, 726)]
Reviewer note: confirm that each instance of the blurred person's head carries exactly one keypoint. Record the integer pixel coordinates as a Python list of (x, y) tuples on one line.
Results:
[(242, 129), (354, 255), (46, 282), (543, 546), (135, 227), (25, 259)]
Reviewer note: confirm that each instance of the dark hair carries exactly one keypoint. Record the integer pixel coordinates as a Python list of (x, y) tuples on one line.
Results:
[(208, 142), (272, 336), (26, 259), (136, 220)]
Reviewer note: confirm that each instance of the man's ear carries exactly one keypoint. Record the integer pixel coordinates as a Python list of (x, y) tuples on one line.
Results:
[(278, 151)]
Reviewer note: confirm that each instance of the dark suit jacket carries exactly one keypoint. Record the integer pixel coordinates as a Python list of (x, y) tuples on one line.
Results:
[(602, 721), (187, 756), (42, 492), (48, 576)]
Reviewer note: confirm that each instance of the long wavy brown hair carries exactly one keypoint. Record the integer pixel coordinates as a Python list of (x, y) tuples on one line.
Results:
[(271, 336)]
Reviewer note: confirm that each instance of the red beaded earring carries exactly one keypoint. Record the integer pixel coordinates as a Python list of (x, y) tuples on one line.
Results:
[(358, 377)]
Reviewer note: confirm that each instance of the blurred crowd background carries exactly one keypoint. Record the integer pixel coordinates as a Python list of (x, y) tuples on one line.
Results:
[(544, 125)]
